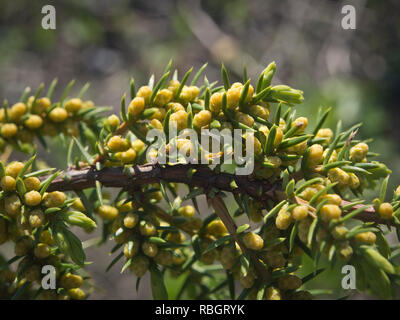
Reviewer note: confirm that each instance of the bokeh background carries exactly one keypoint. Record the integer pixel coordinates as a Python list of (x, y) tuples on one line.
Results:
[(357, 72)]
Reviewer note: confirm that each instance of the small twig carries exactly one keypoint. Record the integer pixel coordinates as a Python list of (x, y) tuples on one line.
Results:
[(220, 208)]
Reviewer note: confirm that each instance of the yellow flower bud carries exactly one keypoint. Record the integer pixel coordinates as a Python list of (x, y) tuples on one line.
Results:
[(128, 156), (32, 198), (366, 237), (159, 114), (107, 212), (73, 105), (259, 111), (176, 237), (149, 249), (137, 145), (283, 219), (345, 251), (186, 95), (216, 102), (37, 218), (354, 182), (253, 241), (301, 123), (272, 293), (17, 111), (41, 105), (278, 137), (14, 168), (42, 251), (131, 220), (8, 130), (233, 96), (33, 122), (118, 144), (359, 152), (315, 154), (333, 198), (46, 237), (88, 104), (330, 211), (54, 199), (70, 281), (173, 86), (139, 266), (76, 294), (145, 93), (256, 144), (300, 212), (274, 259), (299, 148), (147, 229), (136, 106), (340, 176), (180, 119), (326, 134), (216, 228), (7, 183), (339, 232), (385, 211), (175, 107), (202, 119), (113, 121), (156, 124), (58, 114), (194, 92), (245, 119), (333, 156), (187, 211), (131, 249), (163, 97), (12, 205)]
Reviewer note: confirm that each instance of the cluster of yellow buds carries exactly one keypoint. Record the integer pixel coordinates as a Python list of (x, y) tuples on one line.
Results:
[(142, 235), (34, 220), (174, 103), (317, 178), (39, 116)]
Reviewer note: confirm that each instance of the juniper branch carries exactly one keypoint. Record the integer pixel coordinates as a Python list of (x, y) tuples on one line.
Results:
[(74, 179)]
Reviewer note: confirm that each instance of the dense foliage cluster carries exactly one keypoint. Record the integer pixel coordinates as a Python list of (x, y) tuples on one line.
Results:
[(315, 204)]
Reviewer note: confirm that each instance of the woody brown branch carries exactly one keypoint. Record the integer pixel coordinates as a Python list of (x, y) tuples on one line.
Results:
[(190, 174)]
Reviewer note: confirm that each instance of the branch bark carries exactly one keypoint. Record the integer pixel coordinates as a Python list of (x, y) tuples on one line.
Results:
[(190, 174), (202, 176)]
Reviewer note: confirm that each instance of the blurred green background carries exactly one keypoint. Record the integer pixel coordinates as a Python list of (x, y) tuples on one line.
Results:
[(357, 72)]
